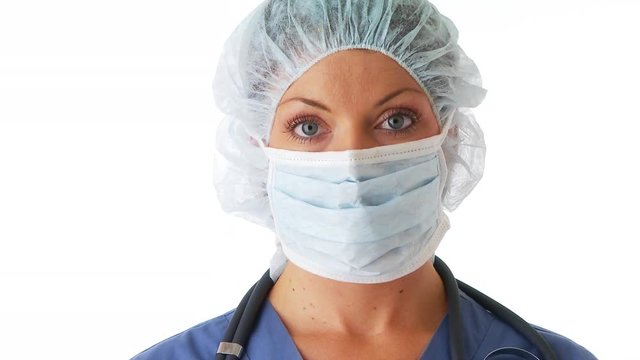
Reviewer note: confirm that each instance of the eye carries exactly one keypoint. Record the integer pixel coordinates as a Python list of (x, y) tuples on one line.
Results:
[(399, 120), (306, 129), (396, 122)]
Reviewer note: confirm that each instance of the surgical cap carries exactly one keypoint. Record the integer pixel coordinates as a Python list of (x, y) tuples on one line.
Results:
[(281, 39)]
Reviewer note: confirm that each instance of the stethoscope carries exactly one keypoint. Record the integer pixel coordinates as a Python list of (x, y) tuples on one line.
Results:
[(241, 324)]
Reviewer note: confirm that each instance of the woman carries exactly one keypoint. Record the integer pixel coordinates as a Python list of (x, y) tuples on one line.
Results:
[(348, 132)]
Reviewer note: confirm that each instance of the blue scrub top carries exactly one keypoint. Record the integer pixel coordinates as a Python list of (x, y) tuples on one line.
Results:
[(484, 334)]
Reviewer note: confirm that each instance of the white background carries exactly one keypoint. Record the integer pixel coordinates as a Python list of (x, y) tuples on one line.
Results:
[(111, 238)]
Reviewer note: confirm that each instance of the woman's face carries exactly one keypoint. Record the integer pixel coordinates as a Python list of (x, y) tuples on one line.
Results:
[(353, 99)]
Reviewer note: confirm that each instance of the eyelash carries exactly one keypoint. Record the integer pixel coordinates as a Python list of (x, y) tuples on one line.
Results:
[(295, 121), (414, 115)]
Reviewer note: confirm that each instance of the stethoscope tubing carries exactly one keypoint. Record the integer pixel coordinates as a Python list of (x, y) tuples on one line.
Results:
[(456, 342), (515, 321)]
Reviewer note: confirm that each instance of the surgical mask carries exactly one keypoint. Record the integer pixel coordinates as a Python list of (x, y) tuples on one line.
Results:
[(361, 216)]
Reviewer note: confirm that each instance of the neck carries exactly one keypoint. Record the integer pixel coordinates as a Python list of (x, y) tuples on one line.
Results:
[(310, 304)]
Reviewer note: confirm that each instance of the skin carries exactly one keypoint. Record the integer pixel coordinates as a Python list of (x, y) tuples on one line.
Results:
[(356, 99), (342, 95)]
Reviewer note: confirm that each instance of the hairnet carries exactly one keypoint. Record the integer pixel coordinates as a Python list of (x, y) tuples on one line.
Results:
[(280, 39)]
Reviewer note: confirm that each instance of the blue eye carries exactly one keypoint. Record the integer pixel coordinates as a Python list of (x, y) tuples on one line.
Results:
[(398, 121), (306, 129)]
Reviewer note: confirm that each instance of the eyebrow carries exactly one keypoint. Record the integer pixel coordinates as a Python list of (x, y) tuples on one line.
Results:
[(308, 102), (396, 93), (320, 105)]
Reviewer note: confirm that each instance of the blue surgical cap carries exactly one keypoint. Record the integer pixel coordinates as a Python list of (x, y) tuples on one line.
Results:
[(281, 39)]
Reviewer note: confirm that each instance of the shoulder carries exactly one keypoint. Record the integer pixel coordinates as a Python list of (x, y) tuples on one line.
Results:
[(566, 348), (198, 342), (488, 334)]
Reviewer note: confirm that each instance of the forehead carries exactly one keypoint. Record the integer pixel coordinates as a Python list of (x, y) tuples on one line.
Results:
[(353, 72)]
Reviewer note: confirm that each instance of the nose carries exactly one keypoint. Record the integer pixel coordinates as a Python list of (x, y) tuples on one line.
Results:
[(352, 135)]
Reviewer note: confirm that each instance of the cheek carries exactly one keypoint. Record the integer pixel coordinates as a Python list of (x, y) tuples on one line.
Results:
[(430, 127), (276, 139)]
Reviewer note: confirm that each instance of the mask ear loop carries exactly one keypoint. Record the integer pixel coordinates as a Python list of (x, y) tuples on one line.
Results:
[(443, 220), (444, 171), (260, 143)]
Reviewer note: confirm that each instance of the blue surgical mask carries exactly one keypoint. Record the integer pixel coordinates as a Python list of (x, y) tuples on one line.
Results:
[(362, 216)]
